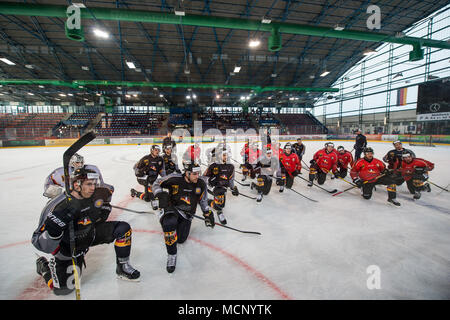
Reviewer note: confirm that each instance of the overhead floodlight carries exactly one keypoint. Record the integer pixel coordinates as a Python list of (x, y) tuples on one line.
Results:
[(217, 96), (29, 66), (253, 43), (7, 61), (100, 33), (85, 68), (127, 96), (194, 96), (187, 71), (41, 86), (79, 5), (188, 97), (130, 65), (325, 73), (70, 94), (30, 94), (180, 12), (368, 52), (161, 96), (62, 95), (273, 75), (236, 69), (266, 20), (338, 27)]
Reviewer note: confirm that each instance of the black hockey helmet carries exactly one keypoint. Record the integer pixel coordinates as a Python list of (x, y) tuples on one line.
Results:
[(83, 173), (368, 149), (191, 166), (340, 148), (406, 154), (287, 146)]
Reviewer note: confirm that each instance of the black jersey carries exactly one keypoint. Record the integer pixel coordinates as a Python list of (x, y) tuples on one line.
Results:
[(220, 175), (394, 156), (299, 149), (168, 141), (149, 166), (183, 196), (360, 141), (170, 163), (89, 212)]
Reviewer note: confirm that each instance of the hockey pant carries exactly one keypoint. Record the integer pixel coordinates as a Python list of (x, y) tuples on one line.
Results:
[(61, 275), (342, 172), (388, 181), (263, 184), (176, 229), (316, 173), (219, 198), (247, 170), (417, 183), (147, 195)]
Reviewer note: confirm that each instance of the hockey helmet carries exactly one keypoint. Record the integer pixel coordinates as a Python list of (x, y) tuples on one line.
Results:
[(340, 148), (191, 166), (368, 149), (83, 173), (77, 161)]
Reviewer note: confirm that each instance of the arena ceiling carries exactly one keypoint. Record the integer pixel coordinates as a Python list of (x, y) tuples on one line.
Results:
[(186, 57)]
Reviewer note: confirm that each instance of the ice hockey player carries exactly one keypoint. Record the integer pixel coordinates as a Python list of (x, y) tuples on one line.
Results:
[(290, 166), (178, 204), (345, 159), (299, 149), (360, 143), (192, 153), (395, 155), (394, 159), (147, 170), (170, 160), (220, 177), (54, 183), (168, 141), (323, 162), (87, 212), (415, 172), (211, 152), (250, 156), (369, 171), (267, 167)]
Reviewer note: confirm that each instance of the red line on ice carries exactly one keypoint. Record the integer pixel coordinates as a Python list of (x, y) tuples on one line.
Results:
[(37, 290)]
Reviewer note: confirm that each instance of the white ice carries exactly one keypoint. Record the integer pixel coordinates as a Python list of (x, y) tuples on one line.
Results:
[(307, 250)]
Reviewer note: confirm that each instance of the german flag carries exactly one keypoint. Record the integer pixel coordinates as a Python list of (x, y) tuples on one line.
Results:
[(401, 96)]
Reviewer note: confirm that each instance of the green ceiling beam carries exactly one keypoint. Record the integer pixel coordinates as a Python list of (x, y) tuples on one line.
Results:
[(117, 14), (174, 85)]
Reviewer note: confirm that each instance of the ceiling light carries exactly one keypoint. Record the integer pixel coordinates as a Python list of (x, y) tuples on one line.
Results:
[(217, 96), (325, 73), (273, 75), (135, 95), (7, 61), (41, 86), (29, 66), (62, 95), (130, 65), (338, 28), (187, 71), (161, 96), (194, 96), (179, 12), (237, 69), (30, 94), (254, 43), (70, 94), (85, 68), (101, 34), (188, 97), (266, 20), (369, 52), (127, 96), (79, 5)]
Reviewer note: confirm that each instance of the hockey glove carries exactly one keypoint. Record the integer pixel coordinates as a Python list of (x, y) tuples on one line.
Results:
[(336, 174), (312, 162), (163, 198), (235, 191), (358, 182), (58, 221), (209, 218)]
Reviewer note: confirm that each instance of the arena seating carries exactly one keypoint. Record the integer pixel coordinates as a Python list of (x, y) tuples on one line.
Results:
[(29, 125), (301, 123), (130, 124)]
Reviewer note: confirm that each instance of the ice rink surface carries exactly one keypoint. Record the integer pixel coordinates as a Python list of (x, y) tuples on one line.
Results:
[(307, 250)]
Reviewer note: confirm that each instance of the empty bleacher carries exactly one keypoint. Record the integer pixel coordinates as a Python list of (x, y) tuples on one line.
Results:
[(301, 123), (28, 125), (130, 124)]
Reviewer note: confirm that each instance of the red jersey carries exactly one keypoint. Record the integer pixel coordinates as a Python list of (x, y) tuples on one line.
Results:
[(290, 162), (407, 169), (192, 153), (251, 155), (326, 161), (367, 170), (345, 159)]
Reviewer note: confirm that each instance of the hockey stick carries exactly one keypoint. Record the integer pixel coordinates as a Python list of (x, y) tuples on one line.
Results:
[(368, 181), (302, 195), (125, 209), (80, 143), (329, 191), (218, 224), (434, 184)]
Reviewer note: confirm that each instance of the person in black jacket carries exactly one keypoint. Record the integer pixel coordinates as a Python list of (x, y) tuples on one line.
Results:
[(360, 143)]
